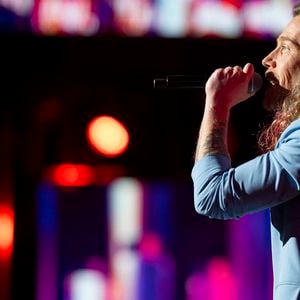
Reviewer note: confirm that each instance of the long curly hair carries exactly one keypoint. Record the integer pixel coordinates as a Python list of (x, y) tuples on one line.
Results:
[(286, 112)]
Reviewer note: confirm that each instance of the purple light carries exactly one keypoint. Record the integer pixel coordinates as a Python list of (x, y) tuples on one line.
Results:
[(216, 282)]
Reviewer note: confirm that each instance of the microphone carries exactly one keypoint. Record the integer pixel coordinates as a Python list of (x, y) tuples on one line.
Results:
[(198, 82)]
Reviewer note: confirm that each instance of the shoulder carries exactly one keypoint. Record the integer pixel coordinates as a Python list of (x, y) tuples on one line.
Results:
[(292, 132), (287, 150)]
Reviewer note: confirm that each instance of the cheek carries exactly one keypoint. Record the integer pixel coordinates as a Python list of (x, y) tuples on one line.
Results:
[(286, 80), (289, 75)]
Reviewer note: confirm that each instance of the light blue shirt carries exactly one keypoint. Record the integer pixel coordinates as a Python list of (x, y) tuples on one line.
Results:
[(271, 180)]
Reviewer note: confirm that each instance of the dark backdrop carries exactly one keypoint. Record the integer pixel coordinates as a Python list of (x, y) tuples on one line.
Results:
[(52, 86)]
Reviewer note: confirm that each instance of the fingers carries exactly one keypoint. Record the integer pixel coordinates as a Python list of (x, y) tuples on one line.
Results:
[(234, 73), (237, 69), (225, 73), (230, 85), (228, 71), (247, 70)]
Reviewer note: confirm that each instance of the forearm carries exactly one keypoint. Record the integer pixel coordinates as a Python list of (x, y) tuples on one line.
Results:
[(213, 132), (217, 192), (224, 89)]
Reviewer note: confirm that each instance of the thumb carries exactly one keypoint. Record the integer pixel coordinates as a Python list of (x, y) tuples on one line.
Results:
[(248, 70), (254, 80)]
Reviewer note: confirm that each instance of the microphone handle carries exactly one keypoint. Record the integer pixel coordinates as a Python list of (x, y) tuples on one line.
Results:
[(198, 82), (180, 82)]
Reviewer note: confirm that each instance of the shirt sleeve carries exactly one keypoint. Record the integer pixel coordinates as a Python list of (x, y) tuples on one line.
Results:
[(223, 192)]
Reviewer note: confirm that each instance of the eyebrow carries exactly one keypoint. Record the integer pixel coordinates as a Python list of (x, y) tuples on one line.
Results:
[(287, 39)]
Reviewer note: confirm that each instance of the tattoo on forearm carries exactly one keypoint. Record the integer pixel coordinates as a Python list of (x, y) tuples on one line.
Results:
[(215, 142)]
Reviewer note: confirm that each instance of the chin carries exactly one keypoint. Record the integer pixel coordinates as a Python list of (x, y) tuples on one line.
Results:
[(274, 97)]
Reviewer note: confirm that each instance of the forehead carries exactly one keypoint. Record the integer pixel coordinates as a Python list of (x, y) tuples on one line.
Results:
[(292, 30)]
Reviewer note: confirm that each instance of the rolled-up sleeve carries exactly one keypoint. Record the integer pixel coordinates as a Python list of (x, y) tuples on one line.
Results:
[(223, 192)]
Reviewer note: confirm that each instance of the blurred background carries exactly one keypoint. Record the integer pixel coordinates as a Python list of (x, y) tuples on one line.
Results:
[(96, 197)]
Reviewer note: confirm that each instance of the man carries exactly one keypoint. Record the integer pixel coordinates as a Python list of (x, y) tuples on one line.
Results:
[(271, 180)]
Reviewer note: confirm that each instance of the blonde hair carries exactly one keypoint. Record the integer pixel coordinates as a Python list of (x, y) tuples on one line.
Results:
[(287, 113)]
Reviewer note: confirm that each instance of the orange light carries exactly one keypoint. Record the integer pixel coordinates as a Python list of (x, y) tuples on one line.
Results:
[(73, 175), (6, 231), (107, 136)]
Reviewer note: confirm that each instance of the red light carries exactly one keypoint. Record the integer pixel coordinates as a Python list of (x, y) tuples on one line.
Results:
[(6, 231), (107, 136), (151, 246), (73, 175)]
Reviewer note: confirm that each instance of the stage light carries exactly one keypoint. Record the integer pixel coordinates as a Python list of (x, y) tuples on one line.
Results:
[(87, 285), (172, 17), (19, 7), (66, 17), (133, 17), (216, 18), (72, 175), (125, 211), (259, 16), (107, 136), (216, 281), (6, 231)]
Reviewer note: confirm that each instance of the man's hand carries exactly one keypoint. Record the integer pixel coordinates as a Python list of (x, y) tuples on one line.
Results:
[(228, 86)]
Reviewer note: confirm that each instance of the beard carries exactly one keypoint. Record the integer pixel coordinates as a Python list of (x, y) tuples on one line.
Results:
[(279, 99), (274, 97)]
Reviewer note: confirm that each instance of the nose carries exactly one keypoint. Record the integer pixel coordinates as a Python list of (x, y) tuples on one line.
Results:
[(269, 61)]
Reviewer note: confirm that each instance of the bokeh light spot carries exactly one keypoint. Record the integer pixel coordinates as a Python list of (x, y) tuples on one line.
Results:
[(6, 230), (107, 136), (73, 175)]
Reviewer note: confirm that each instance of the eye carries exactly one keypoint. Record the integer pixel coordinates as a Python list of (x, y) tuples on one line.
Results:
[(284, 48)]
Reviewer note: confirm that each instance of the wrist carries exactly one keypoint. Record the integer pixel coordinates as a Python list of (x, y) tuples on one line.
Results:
[(217, 112)]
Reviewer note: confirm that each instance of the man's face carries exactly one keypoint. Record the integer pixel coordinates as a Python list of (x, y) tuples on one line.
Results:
[(283, 63), (283, 66)]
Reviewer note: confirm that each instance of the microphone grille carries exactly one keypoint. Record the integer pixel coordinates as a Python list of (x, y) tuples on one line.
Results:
[(255, 83)]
